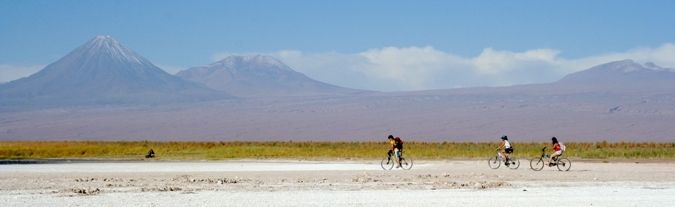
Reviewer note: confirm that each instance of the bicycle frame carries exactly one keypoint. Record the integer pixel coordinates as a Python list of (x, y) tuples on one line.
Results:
[(545, 160), (405, 162)]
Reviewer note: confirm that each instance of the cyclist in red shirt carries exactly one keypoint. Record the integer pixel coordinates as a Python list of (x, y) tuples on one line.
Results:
[(557, 151)]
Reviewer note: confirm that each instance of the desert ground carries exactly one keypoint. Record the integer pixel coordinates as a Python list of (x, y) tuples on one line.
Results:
[(334, 183)]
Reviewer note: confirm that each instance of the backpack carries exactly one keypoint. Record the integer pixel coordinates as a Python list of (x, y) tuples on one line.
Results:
[(398, 142), (562, 146)]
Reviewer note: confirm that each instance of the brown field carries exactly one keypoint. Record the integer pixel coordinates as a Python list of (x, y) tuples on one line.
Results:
[(314, 150)]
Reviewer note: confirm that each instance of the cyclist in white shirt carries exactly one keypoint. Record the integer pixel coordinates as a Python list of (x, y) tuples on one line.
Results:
[(506, 149)]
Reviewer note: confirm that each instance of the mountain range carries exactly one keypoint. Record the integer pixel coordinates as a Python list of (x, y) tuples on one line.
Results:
[(101, 72), (260, 98), (258, 76)]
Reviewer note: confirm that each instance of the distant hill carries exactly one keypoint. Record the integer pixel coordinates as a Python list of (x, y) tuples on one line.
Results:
[(258, 76), (622, 75), (101, 72), (617, 101)]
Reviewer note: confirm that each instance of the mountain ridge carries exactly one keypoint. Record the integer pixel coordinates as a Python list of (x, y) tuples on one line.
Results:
[(258, 76), (102, 71), (623, 74)]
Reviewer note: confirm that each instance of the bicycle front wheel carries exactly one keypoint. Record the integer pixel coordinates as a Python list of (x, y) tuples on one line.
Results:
[(494, 162), (406, 162), (514, 163), (564, 164), (537, 163), (387, 163)]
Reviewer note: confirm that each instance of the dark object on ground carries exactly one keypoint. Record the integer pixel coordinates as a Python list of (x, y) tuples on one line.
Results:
[(151, 154)]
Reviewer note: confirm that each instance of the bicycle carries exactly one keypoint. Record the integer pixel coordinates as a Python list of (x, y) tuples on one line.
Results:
[(496, 161), (537, 163), (389, 161)]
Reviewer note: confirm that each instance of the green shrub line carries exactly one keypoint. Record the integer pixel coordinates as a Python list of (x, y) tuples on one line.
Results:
[(173, 150)]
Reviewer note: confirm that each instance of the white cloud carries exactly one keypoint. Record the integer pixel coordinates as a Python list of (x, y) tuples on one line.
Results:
[(409, 68), (492, 62), (418, 68), (13, 72)]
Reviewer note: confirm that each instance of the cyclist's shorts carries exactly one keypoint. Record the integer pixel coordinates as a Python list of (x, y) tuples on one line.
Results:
[(508, 150), (398, 152)]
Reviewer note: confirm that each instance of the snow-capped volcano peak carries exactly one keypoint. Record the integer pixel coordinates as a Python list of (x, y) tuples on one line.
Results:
[(630, 66), (105, 45), (622, 72), (103, 37), (259, 61)]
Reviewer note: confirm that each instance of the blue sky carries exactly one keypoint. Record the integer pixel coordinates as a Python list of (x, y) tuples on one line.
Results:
[(178, 34)]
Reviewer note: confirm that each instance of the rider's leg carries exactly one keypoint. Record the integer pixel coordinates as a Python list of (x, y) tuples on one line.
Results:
[(504, 156), (553, 158), (399, 159), (389, 153), (398, 156)]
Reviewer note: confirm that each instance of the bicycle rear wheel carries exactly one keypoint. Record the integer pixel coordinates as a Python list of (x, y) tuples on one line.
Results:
[(564, 164), (537, 163), (494, 162), (406, 162), (514, 163), (387, 164)]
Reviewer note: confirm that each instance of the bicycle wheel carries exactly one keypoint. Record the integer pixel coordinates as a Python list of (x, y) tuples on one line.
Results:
[(537, 163), (564, 164), (406, 162), (514, 163), (387, 164), (494, 162)]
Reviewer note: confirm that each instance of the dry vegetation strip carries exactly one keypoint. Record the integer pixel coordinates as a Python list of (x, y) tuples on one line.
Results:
[(314, 150)]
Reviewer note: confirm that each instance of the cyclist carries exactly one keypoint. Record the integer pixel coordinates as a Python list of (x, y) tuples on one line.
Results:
[(392, 145), (557, 151), (507, 149), (398, 150)]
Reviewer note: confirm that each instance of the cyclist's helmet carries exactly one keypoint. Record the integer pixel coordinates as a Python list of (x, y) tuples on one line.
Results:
[(390, 137), (505, 138), (554, 140)]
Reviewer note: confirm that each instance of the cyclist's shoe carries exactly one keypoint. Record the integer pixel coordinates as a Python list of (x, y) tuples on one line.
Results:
[(507, 163)]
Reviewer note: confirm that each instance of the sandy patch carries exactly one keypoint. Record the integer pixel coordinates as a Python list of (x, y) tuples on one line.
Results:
[(332, 183)]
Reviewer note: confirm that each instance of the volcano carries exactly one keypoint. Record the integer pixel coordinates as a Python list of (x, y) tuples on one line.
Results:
[(102, 72), (258, 76)]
